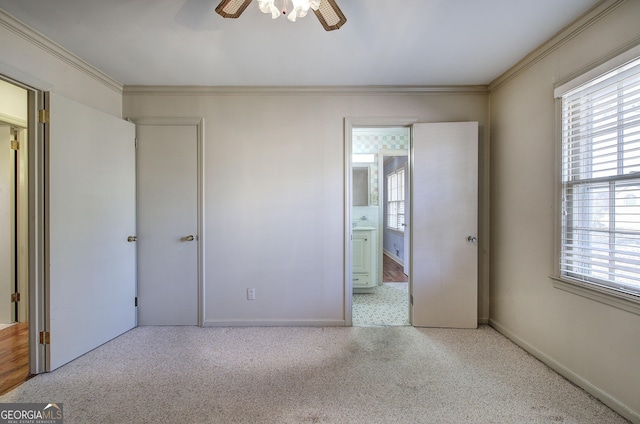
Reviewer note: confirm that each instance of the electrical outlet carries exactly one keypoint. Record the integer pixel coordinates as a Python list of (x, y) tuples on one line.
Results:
[(251, 294)]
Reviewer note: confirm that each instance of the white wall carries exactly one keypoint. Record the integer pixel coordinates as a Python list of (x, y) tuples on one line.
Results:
[(596, 345), (274, 191), (13, 104)]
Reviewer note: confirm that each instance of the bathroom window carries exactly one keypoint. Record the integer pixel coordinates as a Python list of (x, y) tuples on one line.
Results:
[(395, 200), (600, 218)]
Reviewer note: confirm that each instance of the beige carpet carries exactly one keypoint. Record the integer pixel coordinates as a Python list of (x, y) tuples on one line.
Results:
[(312, 375)]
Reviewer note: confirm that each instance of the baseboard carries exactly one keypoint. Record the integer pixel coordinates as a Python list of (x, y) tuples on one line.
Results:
[(393, 257), (275, 323), (604, 397)]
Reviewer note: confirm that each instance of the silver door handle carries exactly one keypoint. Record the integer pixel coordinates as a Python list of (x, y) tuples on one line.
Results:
[(131, 239), (472, 240), (189, 238)]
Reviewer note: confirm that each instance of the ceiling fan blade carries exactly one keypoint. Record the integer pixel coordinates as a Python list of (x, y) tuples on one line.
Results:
[(330, 15), (232, 8)]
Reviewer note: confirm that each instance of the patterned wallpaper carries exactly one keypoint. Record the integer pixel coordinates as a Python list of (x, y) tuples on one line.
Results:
[(372, 140)]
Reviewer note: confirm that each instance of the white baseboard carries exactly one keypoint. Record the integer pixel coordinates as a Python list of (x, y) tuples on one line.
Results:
[(604, 397), (393, 257)]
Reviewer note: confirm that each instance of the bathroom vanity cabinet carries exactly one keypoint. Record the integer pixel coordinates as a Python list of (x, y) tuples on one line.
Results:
[(364, 259)]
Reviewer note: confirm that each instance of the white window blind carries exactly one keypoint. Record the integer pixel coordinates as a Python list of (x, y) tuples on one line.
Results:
[(395, 200), (600, 241)]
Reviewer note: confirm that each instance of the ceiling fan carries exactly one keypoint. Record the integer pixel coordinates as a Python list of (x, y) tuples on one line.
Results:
[(327, 11)]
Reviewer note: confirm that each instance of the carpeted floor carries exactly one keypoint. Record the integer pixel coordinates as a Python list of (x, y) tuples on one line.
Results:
[(312, 375), (388, 305)]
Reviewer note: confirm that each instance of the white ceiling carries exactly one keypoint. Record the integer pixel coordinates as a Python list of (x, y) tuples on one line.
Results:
[(384, 42)]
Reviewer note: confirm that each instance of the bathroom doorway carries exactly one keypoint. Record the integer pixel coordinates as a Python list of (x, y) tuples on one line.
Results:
[(379, 214), (14, 239)]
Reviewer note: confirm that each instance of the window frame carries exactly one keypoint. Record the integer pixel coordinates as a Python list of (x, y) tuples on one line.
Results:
[(591, 290)]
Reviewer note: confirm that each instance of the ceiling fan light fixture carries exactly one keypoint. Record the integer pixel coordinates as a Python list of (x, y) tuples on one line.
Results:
[(232, 8), (327, 11), (269, 6), (330, 15), (299, 9)]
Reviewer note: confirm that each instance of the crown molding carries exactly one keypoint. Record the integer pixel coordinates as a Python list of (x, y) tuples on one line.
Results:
[(582, 23), (49, 46), (193, 90)]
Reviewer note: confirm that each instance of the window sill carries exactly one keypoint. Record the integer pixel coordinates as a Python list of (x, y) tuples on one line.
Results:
[(624, 301)]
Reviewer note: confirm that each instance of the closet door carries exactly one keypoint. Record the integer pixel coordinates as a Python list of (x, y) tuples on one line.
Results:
[(444, 225), (90, 200), (167, 219)]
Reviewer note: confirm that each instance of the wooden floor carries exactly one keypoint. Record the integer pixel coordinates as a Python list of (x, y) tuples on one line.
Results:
[(14, 356), (392, 272)]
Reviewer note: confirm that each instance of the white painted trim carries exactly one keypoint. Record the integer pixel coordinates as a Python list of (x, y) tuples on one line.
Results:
[(51, 47), (393, 257), (275, 323), (620, 300), (198, 122), (196, 90), (589, 18), (590, 388), (13, 121), (22, 79), (595, 71), (348, 228)]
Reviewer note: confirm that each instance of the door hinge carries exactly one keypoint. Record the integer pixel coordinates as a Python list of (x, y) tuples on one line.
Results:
[(15, 297), (43, 116), (15, 145), (45, 339), (411, 299), (136, 301)]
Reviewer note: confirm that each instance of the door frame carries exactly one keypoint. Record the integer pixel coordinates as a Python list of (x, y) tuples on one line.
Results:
[(197, 122), (36, 213), (349, 124)]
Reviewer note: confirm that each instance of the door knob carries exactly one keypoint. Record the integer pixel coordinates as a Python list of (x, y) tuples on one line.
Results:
[(189, 238), (131, 239), (472, 240)]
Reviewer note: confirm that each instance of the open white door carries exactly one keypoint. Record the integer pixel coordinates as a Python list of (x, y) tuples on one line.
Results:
[(444, 225), (90, 212)]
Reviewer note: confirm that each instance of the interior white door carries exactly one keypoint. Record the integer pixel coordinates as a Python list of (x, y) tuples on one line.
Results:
[(445, 218), (167, 187), (90, 212)]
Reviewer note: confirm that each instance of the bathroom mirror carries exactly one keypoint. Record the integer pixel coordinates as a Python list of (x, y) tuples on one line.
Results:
[(360, 181)]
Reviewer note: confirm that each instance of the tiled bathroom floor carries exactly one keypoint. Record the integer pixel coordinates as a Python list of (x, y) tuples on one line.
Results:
[(388, 305)]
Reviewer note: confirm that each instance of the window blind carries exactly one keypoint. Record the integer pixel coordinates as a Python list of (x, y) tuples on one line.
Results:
[(395, 200), (600, 241)]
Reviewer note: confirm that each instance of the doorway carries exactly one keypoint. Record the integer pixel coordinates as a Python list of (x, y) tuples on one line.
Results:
[(443, 275), (169, 221), (14, 236), (379, 207)]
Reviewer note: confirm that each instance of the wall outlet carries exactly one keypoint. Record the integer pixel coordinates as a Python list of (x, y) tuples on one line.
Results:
[(251, 294)]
